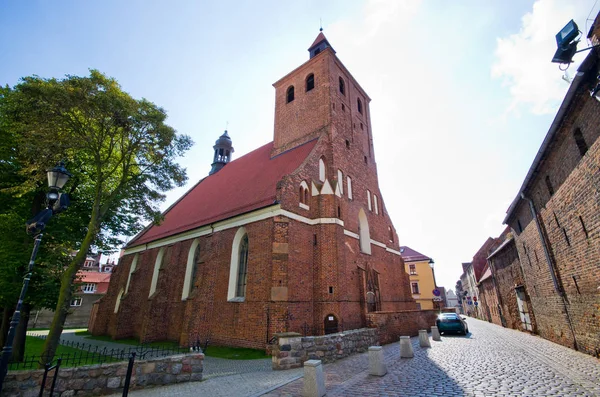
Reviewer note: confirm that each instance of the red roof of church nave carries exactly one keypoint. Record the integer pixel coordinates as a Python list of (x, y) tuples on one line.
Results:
[(243, 185)]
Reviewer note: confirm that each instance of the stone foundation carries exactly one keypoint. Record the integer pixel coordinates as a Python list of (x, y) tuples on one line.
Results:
[(102, 379), (292, 349)]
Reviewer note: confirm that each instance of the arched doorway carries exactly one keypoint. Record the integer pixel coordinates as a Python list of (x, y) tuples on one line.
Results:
[(331, 324)]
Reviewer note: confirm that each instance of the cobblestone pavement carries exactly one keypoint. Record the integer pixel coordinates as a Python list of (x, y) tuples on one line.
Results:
[(491, 361)]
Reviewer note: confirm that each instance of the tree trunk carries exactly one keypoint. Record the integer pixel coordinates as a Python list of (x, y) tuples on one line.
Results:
[(7, 313), (21, 333), (64, 297)]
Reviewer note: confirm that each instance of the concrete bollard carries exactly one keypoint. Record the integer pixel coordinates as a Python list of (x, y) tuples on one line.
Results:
[(376, 364), (435, 334), (424, 338), (314, 379), (406, 350)]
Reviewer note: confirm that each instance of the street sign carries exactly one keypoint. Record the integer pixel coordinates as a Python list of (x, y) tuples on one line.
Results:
[(437, 292), (470, 302), (437, 299), (468, 298), (475, 298), (476, 303)]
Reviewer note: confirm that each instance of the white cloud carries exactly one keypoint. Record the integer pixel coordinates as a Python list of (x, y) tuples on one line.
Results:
[(523, 59)]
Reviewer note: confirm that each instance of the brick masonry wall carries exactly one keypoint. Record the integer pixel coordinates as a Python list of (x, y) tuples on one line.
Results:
[(570, 219), (392, 325), (488, 301), (103, 379), (292, 350)]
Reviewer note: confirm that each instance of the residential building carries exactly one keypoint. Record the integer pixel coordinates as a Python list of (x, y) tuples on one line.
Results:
[(419, 268)]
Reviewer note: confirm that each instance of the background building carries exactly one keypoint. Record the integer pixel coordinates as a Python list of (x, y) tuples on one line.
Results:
[(420, 271)]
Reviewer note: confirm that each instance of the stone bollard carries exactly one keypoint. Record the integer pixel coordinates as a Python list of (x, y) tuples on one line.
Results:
[(435, 334), (376, 364), (406, 350), (314, 379), (424, 338)]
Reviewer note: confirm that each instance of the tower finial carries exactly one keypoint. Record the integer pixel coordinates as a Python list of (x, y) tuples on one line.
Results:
[(321, 25)]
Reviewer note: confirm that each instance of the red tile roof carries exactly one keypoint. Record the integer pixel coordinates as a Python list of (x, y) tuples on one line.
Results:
[(410, 255), (92, 277), (243, 185), (319, 39)]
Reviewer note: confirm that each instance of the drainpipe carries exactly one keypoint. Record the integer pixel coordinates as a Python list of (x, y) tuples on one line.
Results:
[(551, 266)]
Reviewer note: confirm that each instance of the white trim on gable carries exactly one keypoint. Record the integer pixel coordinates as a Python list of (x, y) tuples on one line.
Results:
[(314, 190), (326, 189)]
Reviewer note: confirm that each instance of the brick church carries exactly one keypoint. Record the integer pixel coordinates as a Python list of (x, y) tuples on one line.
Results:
[(293, 236)]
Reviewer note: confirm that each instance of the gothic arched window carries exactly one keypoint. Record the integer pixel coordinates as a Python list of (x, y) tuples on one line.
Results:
[(157, 266), (310, 82), (131, 270), (290, 94), (342, 86), (191, 269), (238, 269)]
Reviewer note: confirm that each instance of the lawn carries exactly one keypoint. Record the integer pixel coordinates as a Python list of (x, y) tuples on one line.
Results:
[(232, 353), (71, 356)]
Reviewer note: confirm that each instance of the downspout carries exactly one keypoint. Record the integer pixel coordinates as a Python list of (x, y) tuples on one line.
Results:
[(551, 266)]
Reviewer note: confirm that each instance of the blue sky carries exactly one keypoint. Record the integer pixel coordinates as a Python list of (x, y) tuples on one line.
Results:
[(462, 92)]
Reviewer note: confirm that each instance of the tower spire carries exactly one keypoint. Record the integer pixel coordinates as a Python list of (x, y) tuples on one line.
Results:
[(223, 151)]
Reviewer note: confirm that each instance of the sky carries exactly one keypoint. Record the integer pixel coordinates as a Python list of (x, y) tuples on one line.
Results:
[(463, 92)]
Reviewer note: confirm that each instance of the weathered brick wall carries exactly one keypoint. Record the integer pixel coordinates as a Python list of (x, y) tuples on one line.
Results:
[(569, 212), (393, 325), (488, 301), (292, 350), (103, 379)]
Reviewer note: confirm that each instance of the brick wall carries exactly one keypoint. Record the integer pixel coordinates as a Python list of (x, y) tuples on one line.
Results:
[(488, 301), (392, 325), (104, 379)]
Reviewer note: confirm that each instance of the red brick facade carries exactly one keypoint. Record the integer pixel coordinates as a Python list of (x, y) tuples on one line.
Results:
[(557, 235), (305, 262)]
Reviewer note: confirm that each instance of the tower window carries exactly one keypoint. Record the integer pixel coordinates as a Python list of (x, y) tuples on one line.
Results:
[(310, 82), (322, 170), (343, 107), (349, 186), (347, 144), (359, 103), (290, 94), (549, 185), (369, 200), (580, 141), (391, 234), (303, 193), (342, 86)]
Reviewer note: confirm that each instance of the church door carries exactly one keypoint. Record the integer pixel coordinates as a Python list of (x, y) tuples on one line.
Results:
[(331, 324)]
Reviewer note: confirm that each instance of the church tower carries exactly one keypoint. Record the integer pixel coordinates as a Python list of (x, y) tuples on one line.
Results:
[(223, 151)]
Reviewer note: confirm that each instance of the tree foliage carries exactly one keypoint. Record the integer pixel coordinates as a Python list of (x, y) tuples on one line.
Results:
[(119, 149)]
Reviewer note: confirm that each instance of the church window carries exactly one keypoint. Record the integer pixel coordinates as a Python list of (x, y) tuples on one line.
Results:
[(365, 158), (343, 107), (118, 302), (131, 270), (347, 144), (290, 94), (342, 86), (349, 186), (580, 141), (191, 269), (303, 195), (341, 181), (363, 233), (310, 82), (391, 233), (376, 204), (322, 170), (359, 105), (369, 200), (238, 269), (157, 266)]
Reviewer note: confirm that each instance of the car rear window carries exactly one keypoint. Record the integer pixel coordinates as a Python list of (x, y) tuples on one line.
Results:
[(449, 316)]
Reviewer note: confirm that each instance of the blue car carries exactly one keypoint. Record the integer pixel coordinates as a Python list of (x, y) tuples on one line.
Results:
[(452, 322)]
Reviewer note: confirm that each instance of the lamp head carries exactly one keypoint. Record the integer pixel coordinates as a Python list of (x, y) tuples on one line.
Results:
[(58, 177)]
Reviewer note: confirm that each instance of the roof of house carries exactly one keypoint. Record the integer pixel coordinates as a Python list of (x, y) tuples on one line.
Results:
[(241, 186), (410, 255), (93, 277)]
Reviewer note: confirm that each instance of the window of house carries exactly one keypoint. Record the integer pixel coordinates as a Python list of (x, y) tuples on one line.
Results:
[(359, 105), (369, 200), (89, 288), (290, 94), (415, 288), (322, 170), (412, 269), (342, 86), (76, 301), (341, 181), (364, 234), (88, 263), (349, 186), (310, 82), (238, 269), (580, 141)]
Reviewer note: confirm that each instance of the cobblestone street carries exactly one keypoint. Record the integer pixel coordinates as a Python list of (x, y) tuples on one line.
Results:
[(491, 361)]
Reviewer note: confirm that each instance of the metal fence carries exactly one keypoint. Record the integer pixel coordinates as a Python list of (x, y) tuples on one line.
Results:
[(87, 354)]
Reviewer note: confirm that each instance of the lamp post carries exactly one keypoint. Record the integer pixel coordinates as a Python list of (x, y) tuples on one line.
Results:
[(435, 303), (57, 202)]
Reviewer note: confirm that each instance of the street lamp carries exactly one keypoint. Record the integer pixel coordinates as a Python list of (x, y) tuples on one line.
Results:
[(57, 202)]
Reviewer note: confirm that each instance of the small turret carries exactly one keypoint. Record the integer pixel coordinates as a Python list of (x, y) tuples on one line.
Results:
[(223, 151)]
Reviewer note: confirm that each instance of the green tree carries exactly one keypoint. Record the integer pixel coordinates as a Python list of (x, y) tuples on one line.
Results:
[(119, 149)]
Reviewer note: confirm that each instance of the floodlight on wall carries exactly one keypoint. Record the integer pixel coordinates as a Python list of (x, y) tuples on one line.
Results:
[(566, 41), (567, 34)]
